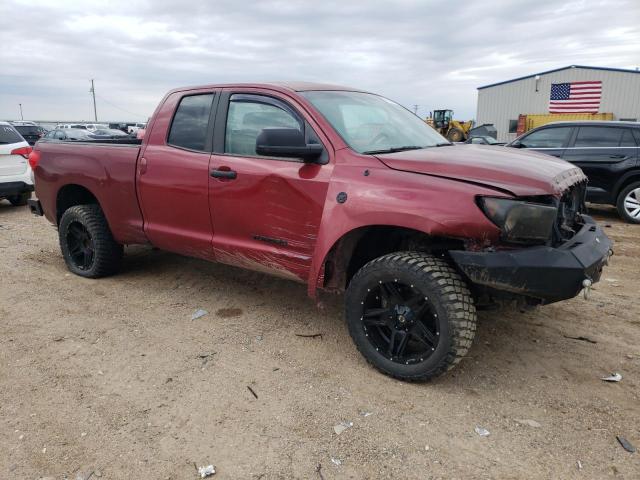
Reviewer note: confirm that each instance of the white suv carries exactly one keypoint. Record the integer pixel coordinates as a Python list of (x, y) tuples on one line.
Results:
[(16, 177)]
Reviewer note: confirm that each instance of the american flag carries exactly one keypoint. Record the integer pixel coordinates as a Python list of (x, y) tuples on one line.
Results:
[(575, 97)]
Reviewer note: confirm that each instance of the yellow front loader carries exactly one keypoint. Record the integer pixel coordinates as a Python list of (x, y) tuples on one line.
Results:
[(454, 130)]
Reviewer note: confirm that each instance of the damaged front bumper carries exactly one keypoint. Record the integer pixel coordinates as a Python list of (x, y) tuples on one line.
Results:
[(542, 274)]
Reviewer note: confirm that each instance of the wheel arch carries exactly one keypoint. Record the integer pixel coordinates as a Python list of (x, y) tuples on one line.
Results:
[(71, 195), (360, 245), (627, 179)]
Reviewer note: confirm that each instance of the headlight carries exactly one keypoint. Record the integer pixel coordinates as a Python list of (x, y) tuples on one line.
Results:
[(520, 221)]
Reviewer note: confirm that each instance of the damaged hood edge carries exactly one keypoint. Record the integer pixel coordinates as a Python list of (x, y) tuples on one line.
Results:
[(515, 172)]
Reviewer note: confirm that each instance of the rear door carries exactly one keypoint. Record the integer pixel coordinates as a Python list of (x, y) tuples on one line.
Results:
[(551, 140), (604, 153), (266, 211), (173, 175)]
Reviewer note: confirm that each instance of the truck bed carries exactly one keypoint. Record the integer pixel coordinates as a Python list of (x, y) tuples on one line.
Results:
[(105, 169)]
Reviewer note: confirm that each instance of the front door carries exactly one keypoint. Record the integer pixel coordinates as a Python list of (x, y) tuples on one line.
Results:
[(173, 175), (266, 211)]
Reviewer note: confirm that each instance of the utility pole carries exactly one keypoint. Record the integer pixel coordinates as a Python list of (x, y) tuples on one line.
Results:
[(21, 117), (415, 109), (93, 92)]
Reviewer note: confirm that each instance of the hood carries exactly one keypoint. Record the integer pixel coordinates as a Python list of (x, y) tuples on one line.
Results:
[(520, 172)]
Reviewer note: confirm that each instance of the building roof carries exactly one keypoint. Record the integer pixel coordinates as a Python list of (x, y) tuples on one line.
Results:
[(584, 67)]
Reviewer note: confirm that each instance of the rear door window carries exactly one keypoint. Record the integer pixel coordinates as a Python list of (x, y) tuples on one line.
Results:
[(547, 138), (190, 122), (9, 135), (599, 137)]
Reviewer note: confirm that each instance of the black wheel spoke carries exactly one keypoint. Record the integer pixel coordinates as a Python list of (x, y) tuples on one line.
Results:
[(376, 316), (423, 334), (398, 343)]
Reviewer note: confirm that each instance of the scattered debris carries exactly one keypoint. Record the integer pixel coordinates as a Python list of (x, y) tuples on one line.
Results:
[(252, 392), (582, 339), (336, 461), (44, 450), (206, 471), (309, 335), (229, 312), (529, 422), (366, 414), (198, 313), (275, 369), (427, 448), (626, 444), (259, 338), (341, 427), (58, 339), (84, 476), (614, 377), (319, 471), (483, 432), (579, 463), (205, 357), (607, 225)]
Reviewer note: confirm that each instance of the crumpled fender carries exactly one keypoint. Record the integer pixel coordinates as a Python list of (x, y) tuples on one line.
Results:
[(360, 197)]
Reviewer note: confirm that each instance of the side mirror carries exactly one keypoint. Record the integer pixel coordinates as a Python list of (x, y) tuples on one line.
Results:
[(286, 142)]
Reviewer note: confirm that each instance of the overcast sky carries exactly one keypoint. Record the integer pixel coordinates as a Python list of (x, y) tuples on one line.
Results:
[(431, 53)]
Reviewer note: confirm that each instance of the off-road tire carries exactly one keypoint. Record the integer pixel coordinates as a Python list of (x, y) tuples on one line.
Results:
[(455, 135), (449, 295), (620, 203), (107, 253), (19, 200)]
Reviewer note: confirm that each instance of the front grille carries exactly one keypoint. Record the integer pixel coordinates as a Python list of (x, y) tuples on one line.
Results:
[(570, 209)]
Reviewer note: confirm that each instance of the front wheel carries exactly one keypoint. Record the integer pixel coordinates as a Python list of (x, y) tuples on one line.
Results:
[(87, 244), (629, 203), (411, 315), (455, 135)]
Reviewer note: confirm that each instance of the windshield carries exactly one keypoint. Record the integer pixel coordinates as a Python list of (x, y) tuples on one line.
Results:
[(372, 124)]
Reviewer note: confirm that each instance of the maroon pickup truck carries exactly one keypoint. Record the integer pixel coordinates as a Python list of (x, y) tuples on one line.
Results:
[(343, 190)]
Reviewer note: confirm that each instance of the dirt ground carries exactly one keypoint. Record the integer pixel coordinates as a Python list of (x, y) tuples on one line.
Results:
[(112, 379)]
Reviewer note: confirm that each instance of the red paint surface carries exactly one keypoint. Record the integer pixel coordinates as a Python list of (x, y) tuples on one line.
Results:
[(165, 195)]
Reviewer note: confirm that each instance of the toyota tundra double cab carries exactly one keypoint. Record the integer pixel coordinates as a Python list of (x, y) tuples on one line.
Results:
[(340, 189)]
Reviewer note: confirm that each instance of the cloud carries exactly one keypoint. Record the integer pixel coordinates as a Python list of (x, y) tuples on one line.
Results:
[(433, 54)]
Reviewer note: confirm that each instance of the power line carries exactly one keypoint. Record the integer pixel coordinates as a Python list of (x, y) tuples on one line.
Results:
[(120, 108)]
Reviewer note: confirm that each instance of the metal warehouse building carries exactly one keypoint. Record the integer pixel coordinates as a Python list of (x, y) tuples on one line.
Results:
[(502, 103)]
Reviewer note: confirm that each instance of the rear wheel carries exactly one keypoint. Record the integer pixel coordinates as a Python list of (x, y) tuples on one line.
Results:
[(629, 203), (87, 244), (19, 200), (411, 315)]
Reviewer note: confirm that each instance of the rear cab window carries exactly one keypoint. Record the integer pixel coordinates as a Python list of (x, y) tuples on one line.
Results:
[(9, 135), (189, 127)]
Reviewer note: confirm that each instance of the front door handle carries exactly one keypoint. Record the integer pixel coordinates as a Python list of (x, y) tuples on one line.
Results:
[(619, 157), (228, 174)]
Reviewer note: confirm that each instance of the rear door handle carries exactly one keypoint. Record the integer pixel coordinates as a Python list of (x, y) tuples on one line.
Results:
[(619, 157), (228, 174)]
